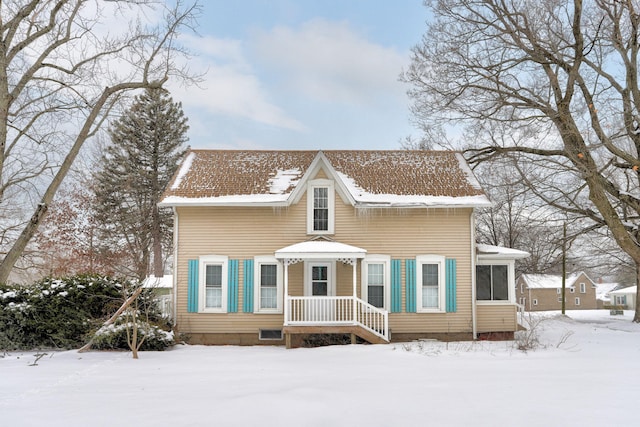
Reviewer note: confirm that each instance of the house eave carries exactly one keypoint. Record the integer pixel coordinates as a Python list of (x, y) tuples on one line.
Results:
[(392, 205), (196, 203)]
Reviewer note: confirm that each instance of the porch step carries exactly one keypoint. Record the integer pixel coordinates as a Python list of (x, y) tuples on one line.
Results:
[(342, 329)]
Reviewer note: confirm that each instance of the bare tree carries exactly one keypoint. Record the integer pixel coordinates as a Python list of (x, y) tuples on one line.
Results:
[(557, 82), (64, 65)]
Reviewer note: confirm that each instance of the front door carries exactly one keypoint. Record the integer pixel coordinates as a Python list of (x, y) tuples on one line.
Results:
[(319, 279), (320, 283)]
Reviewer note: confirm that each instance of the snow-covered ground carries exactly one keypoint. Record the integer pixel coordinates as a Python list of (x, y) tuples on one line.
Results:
[(586, 373)]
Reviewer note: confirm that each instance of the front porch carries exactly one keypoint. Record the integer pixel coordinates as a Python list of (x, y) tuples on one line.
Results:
[(320, 310)]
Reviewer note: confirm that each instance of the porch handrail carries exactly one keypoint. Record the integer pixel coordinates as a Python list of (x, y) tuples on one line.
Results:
[(520, 314), (336, 310)]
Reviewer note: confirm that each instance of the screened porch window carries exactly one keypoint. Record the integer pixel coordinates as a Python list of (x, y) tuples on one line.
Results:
[(492, 283)]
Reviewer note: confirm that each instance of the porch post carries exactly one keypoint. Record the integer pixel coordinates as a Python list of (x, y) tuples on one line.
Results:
[(355, 289), (286, 291)]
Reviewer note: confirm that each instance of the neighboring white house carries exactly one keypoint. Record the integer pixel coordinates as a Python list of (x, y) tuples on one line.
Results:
[(163, 289), (625, 297), (602, 293)]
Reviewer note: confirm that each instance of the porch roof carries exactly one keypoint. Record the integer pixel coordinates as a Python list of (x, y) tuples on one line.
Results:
[(320, 249)]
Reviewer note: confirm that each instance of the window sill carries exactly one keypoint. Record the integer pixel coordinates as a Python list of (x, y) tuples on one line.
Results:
[(268, 312), (430, 311), (486, 302), (212, 311)]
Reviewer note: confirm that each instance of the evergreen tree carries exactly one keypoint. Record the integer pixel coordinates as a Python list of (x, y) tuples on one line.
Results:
[(147, 143)]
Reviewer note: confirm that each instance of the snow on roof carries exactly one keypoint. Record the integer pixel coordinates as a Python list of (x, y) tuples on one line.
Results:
[(400, 178), (490, 251), (165, 281), (627, 290), (602, 289), (184, 169), (549, 281), (318, 249), (284, 180)]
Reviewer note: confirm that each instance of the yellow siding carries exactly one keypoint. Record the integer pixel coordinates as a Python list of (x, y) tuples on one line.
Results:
[(496, 318), (242, 233)]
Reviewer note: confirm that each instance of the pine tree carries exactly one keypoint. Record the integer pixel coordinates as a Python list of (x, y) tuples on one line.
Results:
[(147, 143)]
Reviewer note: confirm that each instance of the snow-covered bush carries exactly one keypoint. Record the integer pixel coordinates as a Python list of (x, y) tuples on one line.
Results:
[(114, 336), (56, 313)]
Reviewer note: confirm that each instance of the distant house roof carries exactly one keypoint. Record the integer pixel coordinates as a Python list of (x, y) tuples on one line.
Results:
[(603, 289), (630, 290), (401, 178), (550, 281)]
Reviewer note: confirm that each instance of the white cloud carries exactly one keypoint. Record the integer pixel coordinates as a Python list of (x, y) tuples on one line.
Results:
[(229, 86), (330, 62)]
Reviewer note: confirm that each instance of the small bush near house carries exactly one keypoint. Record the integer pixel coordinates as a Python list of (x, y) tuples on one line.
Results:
[(60, 313), (114, 336)]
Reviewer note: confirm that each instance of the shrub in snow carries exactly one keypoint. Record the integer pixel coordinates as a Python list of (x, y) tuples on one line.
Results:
[(58, 313), (114, 336)]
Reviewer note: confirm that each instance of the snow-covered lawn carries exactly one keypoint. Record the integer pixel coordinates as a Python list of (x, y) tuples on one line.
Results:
[(587, 374)]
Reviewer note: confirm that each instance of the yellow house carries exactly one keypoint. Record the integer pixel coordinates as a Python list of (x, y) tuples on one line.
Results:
[(272, 245)]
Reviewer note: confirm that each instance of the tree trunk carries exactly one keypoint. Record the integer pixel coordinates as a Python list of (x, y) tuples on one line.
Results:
[(156, 236), (113, 318), (30, 229)]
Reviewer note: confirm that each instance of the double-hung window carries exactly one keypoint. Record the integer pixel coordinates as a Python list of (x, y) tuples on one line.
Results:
[(376, 277), (213, 283), (583, 288), (320, 207), (430, 283), (492, 282), (268, 295)]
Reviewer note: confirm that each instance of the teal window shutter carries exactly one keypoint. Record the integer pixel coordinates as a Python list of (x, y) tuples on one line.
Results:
[(396, 286), (232, 290), (410, 285), (192, 286), (247, 305), (450, 285)]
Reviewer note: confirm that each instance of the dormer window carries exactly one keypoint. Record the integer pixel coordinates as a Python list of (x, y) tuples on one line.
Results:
[(320, 207)]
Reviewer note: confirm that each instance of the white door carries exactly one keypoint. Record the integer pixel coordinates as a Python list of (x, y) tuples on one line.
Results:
[(320, 282)]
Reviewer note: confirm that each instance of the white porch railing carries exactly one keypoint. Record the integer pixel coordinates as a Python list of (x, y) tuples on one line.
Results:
[(334, 311), (520, 314)]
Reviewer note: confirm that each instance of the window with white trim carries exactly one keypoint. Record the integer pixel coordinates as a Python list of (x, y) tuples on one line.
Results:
[(430, 283), (583, 288), (572, 289), (620, 299), (535, 301), (559, 291), (213, 283), (577, 300), (269, 284), (376, 278), (559, 299), (320, 207), (492, 282)]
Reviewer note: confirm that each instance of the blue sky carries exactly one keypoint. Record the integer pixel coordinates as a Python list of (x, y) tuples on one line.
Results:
[(301, 74)]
